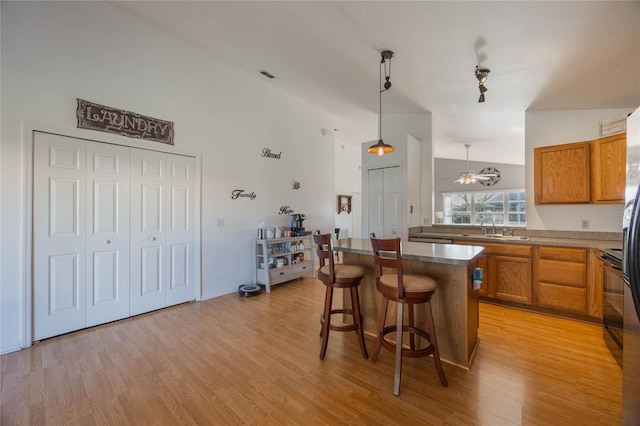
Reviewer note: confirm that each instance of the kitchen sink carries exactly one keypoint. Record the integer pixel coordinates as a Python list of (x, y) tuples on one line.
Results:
[(498, 237)]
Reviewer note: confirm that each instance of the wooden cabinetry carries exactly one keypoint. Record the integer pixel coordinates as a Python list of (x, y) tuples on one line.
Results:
[(567, 280), (562, 173), (581, 172), (283, 259), (608, 166), (507, 271)]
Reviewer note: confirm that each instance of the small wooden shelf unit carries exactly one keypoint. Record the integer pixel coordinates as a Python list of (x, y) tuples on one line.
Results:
[(283, 259)]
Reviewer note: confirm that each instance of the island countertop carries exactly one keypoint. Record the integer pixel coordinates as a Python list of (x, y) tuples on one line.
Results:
[(455, 254)]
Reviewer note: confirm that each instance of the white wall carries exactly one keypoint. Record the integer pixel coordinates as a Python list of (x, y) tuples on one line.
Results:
[(544, 128), (348, 165), (55, 52)]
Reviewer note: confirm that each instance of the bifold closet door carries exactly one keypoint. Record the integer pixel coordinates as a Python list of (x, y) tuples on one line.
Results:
[(162, 230), (107, 233), (80, 234), (59, 235), (384, 202)]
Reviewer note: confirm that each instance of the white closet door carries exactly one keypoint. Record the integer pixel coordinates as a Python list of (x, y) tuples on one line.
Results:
[(59, 234), (392, 202), (148, 231), (181, 229), (107, 233), (376, 202)]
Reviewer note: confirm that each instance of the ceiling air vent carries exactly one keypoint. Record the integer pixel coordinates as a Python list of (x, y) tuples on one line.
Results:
[(267, 74)]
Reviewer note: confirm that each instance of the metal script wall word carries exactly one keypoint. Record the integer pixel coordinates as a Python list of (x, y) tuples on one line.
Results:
[(285, 210), (493, 179), (111, 120), (240, 193), (267, 153)]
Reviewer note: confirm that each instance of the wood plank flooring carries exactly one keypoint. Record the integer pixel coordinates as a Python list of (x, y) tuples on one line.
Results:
[(233, 360)]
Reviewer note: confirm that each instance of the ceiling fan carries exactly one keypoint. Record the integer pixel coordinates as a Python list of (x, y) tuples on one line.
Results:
[(468, 177)]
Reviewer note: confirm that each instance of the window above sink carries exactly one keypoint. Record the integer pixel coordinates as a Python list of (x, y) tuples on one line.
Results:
[(504, 208)]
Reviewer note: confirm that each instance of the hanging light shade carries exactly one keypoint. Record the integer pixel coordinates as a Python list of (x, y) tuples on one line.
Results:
[(382, 148)]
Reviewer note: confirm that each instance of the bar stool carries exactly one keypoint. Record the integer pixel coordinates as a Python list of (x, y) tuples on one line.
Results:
[(333, 276), (404, 289)]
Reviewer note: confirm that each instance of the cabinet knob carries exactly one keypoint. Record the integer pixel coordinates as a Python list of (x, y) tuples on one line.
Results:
[(107, 241), (152, 239)]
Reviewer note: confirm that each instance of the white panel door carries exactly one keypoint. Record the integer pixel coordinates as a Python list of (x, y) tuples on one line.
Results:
[(148, 269), (392, 202), (376, 203), (59, 234), (107, 233), (181, 229)]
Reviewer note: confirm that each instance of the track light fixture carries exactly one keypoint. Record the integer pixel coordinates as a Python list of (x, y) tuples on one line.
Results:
[(482, 74), (382, 148)]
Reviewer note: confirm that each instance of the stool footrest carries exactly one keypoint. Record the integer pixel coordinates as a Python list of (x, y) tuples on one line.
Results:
[(406, 351)]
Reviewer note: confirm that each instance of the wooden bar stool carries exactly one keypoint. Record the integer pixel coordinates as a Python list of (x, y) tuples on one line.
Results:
[(333, 276), (404, 289)]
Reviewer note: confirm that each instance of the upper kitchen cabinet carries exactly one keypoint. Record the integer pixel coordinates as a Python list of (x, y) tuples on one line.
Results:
[(581, 172), (562, 173), (608, 159)]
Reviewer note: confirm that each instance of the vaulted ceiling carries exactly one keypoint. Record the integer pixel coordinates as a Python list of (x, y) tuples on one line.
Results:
[(543, 55)]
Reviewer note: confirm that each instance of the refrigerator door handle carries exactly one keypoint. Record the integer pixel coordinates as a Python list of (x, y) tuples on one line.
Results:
[(633, 266)]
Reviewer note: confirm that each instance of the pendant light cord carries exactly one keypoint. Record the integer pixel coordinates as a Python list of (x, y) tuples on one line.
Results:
[(380, 104)]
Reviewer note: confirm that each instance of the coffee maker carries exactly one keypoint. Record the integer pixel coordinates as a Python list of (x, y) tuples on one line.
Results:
[(297, 228)]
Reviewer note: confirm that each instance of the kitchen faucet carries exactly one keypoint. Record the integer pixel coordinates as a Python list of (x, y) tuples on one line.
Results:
[(493, 230)]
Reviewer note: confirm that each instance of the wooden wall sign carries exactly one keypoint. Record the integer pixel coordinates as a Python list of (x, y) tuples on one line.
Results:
[(111, 120)]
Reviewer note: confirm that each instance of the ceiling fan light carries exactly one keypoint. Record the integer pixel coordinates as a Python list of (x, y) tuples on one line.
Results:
[(482, 74), (380, 148), (481, 98), (482, 88)]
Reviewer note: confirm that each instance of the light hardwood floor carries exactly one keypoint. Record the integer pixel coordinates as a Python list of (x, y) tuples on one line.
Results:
[(233, 360)]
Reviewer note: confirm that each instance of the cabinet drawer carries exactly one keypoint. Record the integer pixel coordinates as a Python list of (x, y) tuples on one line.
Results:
[(562, 297), (567, 273), (302, 268), (280, 274), (563, 253), (516, 250)]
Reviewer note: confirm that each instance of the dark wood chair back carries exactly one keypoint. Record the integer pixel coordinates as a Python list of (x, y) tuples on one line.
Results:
[(387, 253), (324, 250)]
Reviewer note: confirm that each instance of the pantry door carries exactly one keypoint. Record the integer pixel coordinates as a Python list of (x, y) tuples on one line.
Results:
[(385, 202), (107, 233), (59, 234)]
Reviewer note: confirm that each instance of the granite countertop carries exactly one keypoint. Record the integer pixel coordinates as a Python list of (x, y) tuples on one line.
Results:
[(563, 239), (435, 253)]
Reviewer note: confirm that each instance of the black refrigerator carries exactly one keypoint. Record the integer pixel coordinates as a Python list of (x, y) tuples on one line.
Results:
[(631, 275)]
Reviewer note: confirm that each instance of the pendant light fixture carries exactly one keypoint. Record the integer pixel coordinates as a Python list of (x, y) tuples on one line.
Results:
[(382, 148)]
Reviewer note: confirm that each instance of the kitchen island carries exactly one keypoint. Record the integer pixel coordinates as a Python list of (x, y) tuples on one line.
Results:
[(454, 304)]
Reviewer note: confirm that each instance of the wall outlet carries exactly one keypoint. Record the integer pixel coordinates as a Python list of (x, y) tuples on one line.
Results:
[(584, 224), (220, 222)]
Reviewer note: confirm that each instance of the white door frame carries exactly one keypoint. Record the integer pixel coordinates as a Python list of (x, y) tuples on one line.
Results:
[(28, 140)]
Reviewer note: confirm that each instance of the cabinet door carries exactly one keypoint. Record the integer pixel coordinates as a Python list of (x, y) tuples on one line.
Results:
[(562, 173), (510, 278), (609, 156)]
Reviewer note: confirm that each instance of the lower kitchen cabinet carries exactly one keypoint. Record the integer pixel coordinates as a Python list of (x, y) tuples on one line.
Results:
[(507, 271), (567, 280), (562, 280)]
